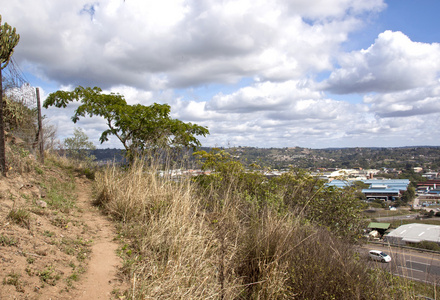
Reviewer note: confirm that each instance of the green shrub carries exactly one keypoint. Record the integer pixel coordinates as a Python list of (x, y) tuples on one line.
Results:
[(427, 245)]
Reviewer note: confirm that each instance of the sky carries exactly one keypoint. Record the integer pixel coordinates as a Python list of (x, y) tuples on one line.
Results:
[(260, 73)]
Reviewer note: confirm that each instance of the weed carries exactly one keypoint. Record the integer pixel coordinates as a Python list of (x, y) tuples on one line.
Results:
[(30, 260), (49, 275), (29, 271), (48, 233), (14, 279), (77, 270), (38, 170), (60, 195), (20, 217), (7, 241), (61, 222), (73, 277), (78, 247), (90, 174), (24, 153)]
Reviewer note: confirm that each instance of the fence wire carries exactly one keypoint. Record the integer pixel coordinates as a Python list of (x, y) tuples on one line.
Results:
[(20, 109)]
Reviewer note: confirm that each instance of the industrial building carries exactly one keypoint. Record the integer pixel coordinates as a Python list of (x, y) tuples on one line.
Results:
[(414, 233), (383, 189)]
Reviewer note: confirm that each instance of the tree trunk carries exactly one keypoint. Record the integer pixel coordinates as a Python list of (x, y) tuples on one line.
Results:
[(2, 130)]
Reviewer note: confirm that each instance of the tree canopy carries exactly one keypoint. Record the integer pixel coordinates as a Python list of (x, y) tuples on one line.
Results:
[(77, 146), (138, 127)]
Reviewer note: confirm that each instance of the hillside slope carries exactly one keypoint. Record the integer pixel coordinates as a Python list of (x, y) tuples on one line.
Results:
[(52, 240)]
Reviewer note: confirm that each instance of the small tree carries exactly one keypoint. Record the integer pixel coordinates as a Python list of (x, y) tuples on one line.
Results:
[(408, 195), (79, 145), (8, 40), (138, 127)]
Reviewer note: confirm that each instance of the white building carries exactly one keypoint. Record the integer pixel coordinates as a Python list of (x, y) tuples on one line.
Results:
[(414, 233)]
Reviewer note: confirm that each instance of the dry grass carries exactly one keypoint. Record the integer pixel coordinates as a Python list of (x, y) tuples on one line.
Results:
[(179, 246), (172, 251)]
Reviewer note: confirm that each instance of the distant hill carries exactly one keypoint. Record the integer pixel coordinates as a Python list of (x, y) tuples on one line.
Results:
[(427, 157), (110, 155)]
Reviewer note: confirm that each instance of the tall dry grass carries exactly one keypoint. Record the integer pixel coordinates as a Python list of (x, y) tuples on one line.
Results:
[(178, 247), (173, 252)]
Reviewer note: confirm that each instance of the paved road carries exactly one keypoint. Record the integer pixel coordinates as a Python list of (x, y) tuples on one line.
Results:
[(412, 264), (393, 218)]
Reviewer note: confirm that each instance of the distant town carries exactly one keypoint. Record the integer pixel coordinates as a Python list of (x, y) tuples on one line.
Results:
[(390, 159), (386, 173)]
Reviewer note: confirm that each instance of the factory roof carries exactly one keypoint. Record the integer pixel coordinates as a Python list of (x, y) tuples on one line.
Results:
[(415, 233)]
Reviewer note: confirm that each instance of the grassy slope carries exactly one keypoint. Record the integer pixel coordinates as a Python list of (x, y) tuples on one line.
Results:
[(180, 245), (43, 250), (173, 244)]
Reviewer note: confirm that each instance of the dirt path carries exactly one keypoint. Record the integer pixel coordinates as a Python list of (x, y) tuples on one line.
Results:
[(100, 278)]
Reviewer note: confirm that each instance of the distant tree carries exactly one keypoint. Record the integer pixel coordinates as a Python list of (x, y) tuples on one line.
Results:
[(412, 176), (408, 195), (138, 127), (78, 146), (8, 40), (50, 140)]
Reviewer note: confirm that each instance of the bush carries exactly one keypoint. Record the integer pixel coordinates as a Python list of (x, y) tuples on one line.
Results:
[(427, 245)]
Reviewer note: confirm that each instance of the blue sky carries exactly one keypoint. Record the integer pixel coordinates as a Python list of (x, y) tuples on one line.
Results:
[(265, 73)]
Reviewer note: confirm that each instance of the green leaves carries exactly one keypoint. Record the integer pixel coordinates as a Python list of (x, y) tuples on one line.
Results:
[(296, 191), (8, 40), (138, 127), (78, 145)]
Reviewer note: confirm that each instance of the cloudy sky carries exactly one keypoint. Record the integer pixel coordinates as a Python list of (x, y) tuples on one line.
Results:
[(264, 73)]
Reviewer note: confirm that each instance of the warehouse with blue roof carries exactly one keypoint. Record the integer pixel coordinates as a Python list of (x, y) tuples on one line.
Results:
[(386, 189), (382, 189)]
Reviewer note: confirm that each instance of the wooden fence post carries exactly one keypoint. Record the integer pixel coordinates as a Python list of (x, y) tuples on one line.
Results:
[(40, 128)]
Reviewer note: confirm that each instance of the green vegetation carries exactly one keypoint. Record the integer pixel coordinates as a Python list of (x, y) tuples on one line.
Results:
[(233, 234), (78, 146), (8, 40), (49, 275), (427, 245), (14, 279), (137, 127), (21, 217), (236, 234), (60, 195), (7, 241), (76, 247)]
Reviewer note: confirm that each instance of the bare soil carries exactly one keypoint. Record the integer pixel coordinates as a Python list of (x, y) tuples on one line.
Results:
[(50, 249), (101, 275)]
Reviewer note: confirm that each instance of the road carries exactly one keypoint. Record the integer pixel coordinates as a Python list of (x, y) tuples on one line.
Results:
[(411, 264), (394, 218)]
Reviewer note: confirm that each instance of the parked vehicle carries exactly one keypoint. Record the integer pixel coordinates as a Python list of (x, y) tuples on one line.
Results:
[(379, 256)]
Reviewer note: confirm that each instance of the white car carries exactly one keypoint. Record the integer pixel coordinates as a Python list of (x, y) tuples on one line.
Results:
[(379, 256)]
